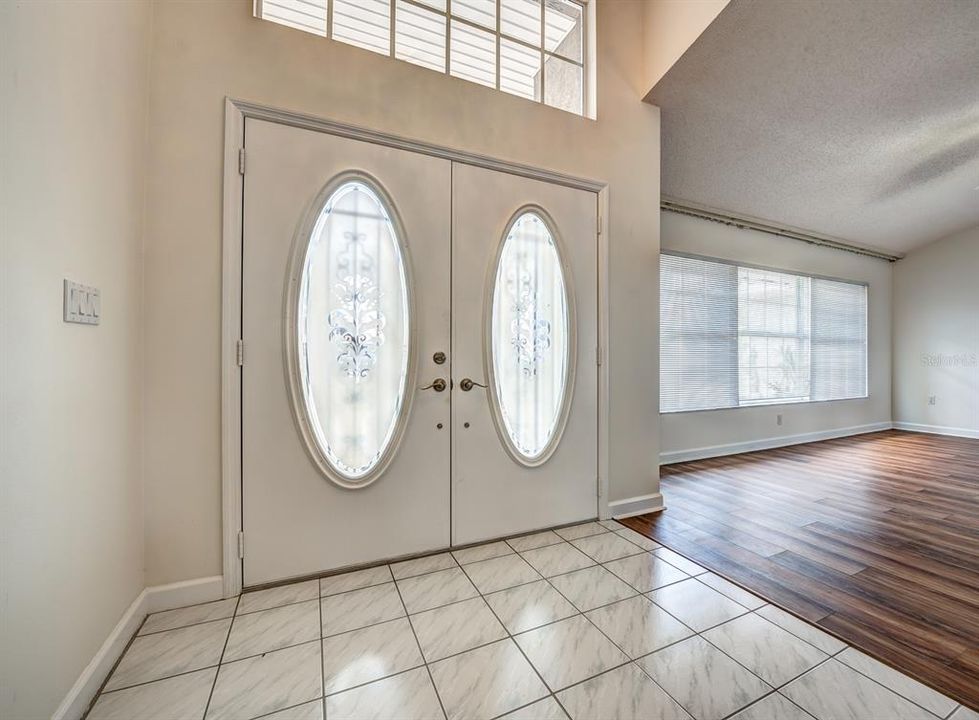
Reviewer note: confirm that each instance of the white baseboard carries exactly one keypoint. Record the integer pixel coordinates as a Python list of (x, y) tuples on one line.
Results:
[(150, 600), (639, 505), (181, 594), (937, 430), (675, 456)]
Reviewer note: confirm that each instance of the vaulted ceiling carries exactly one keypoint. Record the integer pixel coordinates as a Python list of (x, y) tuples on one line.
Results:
[(857, 119)]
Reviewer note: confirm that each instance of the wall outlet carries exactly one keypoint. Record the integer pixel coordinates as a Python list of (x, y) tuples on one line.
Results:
[(931, 400), (778, 419), (83, 304)]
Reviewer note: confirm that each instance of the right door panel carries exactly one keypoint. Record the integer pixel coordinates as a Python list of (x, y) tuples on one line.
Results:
[(525, 326)]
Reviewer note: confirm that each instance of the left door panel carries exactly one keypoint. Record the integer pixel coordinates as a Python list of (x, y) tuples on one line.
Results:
[(345, 302)]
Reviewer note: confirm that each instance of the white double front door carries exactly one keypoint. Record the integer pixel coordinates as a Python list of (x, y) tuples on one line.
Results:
[(419, 353)]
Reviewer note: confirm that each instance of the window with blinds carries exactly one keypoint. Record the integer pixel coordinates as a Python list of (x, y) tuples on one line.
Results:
[(736, 336), (531, 48)]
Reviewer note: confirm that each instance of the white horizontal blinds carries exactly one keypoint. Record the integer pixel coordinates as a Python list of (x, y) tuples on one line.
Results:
[(735, 336), (839, 340), (306, 15), (472, 54), (364, 23), (419, 36), (773, 336), (698, 334)]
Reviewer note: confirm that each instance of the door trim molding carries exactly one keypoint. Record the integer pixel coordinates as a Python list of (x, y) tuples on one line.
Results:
[(235, 113)]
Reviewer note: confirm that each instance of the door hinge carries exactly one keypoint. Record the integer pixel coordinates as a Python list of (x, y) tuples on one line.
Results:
[(240, 352), (599, 229), (598, 355), (241, 161), (241, 545), (598, 486)]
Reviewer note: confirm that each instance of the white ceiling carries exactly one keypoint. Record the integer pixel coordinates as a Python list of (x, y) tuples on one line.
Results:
[(857, 119)]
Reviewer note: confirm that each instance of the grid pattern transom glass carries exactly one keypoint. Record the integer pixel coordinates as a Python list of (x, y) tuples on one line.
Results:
[(531, 48), (353, 331), (530, 332)]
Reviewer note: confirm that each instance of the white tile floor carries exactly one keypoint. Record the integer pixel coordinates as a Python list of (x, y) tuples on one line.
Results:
[(589, 622)]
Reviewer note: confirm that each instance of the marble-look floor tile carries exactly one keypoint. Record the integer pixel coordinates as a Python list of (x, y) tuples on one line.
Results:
[(368, 654), (557, 559), (637, 538), (183, 696), (592, 587), (773, 707), (606, 546), (407, 696), (500, 573), (307, 711), (360, 608), (579, 531), (801, 629), (420, 566), (486, 682), (729, 589), (336, 584), (696, 605), (638, 626), (834, 691), (160, 655), (612, 525), (193, 615), (625, 693), (454, 628), (266, 630), (481, 552), (282, 595), (265, 683), (569, 651), (425, 592), (646, 572), (537, 540), (900, 683), (771, 653), (677, 560), (964, 713), (546, 709), (705, 681), (529, 606)]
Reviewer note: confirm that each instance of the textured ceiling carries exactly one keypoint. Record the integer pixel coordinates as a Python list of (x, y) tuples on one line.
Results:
[(857, 119)]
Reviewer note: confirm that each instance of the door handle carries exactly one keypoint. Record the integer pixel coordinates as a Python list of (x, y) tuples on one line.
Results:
[(438, 385), (467, 384)]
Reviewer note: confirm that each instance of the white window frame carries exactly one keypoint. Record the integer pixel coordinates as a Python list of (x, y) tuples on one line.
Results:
[(586, 63)]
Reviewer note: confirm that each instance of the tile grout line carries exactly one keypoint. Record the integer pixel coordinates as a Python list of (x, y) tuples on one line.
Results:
[(217, 673), (319, 606), (428, 669)]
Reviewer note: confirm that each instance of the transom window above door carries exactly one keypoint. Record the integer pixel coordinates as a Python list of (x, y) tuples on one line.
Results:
[(536, 49)]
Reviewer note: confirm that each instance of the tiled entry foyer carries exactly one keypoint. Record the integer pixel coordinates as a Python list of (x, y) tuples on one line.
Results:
[(592, 621)]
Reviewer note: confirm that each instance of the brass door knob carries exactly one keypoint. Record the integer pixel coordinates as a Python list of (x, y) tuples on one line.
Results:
[(439, 358), (468, 384), (438, 385)]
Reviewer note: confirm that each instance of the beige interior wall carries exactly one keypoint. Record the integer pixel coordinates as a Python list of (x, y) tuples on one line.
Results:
[(73, 101), (203, 51), (669, 28), (713, 428), (936, 336)]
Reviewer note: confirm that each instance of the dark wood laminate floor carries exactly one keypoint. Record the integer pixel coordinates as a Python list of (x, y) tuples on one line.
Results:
[(874, 538)]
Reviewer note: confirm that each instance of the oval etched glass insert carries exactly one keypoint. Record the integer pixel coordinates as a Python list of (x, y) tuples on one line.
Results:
[(353, 331), (530, 338)]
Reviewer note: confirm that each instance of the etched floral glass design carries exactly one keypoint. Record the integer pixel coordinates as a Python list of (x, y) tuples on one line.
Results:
[(353, 330), (530, 336)]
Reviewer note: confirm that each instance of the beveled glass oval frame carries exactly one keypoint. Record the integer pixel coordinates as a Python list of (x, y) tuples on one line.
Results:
[(496, 408), (293, 356)]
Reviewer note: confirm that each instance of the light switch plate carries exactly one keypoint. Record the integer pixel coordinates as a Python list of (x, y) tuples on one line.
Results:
[(83, 304)]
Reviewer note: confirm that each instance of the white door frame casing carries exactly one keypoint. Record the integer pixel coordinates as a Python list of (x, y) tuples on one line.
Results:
[(236, 111)]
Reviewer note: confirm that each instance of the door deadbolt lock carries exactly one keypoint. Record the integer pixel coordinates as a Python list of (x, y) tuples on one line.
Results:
[(468, 384), (438, 385), (439, 358)]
